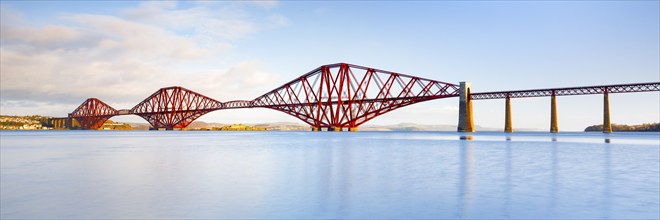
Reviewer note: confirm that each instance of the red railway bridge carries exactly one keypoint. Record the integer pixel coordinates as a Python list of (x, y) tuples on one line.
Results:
[(333, 97)]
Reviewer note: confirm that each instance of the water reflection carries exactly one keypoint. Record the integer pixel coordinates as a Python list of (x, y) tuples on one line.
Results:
[(325, 159), (554, 175), (465, 179), (607, 180), (298, 175), (507, 180), (607, 139), (345, 178), (333, 179)]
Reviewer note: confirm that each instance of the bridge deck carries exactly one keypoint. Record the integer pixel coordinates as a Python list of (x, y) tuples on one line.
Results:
[(585, 90)]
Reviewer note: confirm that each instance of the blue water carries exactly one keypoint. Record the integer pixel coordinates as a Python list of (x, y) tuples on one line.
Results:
[(305, 175)]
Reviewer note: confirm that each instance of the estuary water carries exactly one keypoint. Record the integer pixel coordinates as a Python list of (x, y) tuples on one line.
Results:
[(329, 175)]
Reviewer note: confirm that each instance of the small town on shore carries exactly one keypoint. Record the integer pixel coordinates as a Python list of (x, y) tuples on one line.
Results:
[(38, 122)]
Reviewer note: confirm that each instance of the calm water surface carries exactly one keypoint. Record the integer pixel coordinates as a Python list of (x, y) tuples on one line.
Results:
[(304, 175)]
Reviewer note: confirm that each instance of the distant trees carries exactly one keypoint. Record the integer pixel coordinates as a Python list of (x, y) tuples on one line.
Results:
[(111, 125), (8, 122), (238, 127), (616, 127)]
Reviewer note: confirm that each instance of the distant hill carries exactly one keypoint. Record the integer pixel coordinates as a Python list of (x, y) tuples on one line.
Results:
[(616, 127), (426, 127), (201, 124), (293, 126), (139, 126), (408, 127), (111, 125), (283, 126), (39, 122)]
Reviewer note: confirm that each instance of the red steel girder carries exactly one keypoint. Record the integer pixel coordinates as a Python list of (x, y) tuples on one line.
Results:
[(584, 90), (237, 104), (92, 113), (346, 95), (174, 107), (337, 95)]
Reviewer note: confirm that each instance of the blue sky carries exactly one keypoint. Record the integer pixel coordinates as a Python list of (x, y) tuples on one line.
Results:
[(56, 54)]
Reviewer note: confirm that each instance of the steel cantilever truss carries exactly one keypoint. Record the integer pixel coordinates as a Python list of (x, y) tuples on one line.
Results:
[(331, 96), (586, 90), (174, 107), (92, 113), (345, 95)]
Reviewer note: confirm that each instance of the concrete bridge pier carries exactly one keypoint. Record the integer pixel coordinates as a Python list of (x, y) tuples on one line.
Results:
[(69, 121), (553, 114), (352, 129), (507, 116), (161, 129), (465, 122), (607, 127)]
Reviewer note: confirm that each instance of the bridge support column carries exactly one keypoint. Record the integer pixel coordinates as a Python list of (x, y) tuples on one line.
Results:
[(316, 128), (69, 121), (353, 129), (465, 123), (553, 114), (607, 127), (507, 116), (334, 128)]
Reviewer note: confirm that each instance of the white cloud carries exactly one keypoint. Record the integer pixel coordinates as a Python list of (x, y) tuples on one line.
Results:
[(228, 21), (125, 58), (131, 38), (47, 35)]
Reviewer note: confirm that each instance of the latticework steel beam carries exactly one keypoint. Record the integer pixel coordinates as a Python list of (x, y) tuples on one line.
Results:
[(585, 90), (92, 113), (345, 95), (238, 104), (333, 96), (174, 107)]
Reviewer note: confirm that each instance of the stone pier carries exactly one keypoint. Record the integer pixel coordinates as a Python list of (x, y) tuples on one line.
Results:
[(507, 116), (553, 114), (465, 122), (607, 127)]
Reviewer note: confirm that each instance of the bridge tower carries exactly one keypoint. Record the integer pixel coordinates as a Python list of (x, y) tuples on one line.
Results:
[(607, 126), (554, 128), (507, 115), (465, 122)]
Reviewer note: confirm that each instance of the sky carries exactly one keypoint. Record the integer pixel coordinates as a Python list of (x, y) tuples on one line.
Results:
[(56, 54)]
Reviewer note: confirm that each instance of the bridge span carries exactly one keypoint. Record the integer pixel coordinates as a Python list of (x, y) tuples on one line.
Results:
[(468, 125), (333, 97)]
